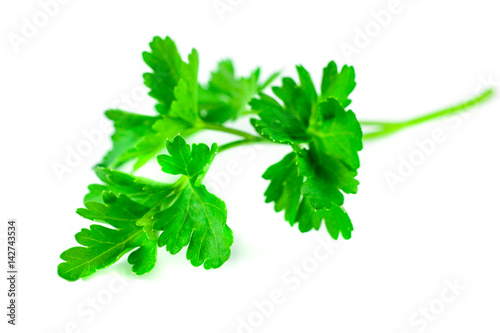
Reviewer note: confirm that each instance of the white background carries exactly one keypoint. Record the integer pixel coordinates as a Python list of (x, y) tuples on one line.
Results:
[(441, 224)]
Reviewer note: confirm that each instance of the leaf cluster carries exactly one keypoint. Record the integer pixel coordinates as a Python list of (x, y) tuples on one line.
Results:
[(136, 216)]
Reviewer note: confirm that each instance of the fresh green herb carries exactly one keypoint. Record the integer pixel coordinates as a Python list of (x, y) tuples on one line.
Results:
[(138, 215)]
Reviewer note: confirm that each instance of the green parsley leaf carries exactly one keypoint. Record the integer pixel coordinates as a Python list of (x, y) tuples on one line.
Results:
[(185, 105), (163, 129), (197, 218), (137, 209), (336, 220), (140, 137), (338, 85), (288, 123), (130, 128), (103, 246), (315, 175), (282, 124), (227, 96), (333, 155), (166, 63), (128, 204), (286, 184), (143, 191)]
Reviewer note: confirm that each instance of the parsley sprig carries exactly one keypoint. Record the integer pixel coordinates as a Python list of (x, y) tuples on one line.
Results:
[(136, 215)]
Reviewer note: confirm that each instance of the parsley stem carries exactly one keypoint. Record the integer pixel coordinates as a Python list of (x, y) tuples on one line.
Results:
[(387, 128), (250, 112), (220, 128), (237, 143)]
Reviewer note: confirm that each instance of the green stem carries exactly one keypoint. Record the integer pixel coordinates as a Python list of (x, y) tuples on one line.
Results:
[(387, 128), (237, 143), (250, 112), (220, 128)]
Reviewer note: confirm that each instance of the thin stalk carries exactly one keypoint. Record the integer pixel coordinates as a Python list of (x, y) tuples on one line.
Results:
[(249, 112), (220, 128), (387, 128), (237, 143)]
